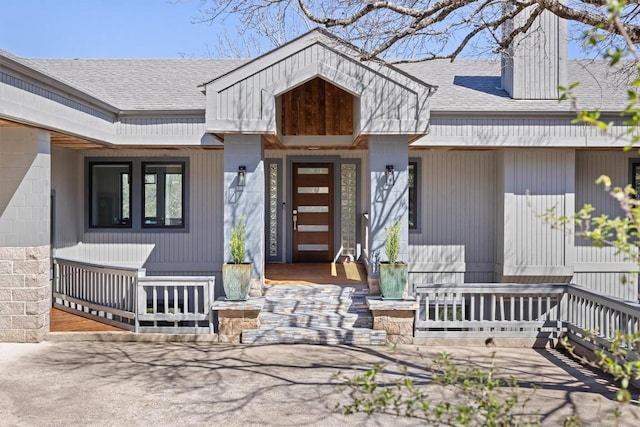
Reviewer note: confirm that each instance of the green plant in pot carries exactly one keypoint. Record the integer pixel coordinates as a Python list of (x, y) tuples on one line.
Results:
[(393, 273), (236, 275)]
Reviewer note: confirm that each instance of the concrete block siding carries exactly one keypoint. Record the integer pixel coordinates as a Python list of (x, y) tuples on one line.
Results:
[(25, 287)]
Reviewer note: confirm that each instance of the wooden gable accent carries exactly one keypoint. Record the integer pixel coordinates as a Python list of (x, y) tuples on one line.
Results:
[(317, 108)]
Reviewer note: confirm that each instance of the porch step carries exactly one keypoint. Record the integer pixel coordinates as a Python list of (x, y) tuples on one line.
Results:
[(312, 319), (315, 314), (293, 335)]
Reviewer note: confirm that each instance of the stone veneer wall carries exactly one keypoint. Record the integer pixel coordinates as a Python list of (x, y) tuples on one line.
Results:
[(25, 294)]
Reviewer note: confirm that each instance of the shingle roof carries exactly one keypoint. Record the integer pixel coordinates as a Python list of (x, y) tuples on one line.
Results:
[(139, 84), (464, 85), (474, 85)]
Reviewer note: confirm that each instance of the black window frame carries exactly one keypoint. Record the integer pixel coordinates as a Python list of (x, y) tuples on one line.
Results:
[(124, 225), (160, 183), (136, 204), (633, 165)]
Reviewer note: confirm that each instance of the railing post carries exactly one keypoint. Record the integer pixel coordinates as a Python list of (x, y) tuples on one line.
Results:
[(211, 283), (136, 306)]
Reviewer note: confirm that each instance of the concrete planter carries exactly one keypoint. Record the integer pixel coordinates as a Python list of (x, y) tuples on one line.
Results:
[(236, 280), (393, 280)]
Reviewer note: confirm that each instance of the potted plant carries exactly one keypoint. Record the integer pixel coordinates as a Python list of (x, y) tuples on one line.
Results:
[(236, 275), (393, 273)]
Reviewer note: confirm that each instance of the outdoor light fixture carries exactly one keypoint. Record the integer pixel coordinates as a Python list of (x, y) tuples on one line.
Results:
[(242, 176), (389, 174)]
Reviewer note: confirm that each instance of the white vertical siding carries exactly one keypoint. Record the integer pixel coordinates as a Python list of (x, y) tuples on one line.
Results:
[(458, 207), (536, 59), (618, 284), (601, 269), (64, 182), (589, 166), (197, 250), (536, 180), (244, 99)]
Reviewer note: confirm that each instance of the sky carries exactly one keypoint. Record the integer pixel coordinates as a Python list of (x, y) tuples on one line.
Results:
[(106, 29), (114, 29)]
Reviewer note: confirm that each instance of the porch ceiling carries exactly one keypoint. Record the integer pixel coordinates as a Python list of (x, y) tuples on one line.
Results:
[(272, 142), (57, 138)]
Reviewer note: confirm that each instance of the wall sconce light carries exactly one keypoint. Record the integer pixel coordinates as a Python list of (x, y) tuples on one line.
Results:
[(242, 176), (390, 177)]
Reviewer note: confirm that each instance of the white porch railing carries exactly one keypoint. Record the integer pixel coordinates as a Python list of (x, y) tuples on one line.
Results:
[(593, 318), (120, 297), (517, 311), (105, 294), (488, 310), (175, 304)]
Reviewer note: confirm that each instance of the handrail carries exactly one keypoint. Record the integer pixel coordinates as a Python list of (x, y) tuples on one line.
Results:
[(103, 293), (93, 266), (175, 304), (120, 296), (483, 310)]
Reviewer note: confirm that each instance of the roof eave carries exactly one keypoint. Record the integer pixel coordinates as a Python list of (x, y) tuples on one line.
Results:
[(16, 65)]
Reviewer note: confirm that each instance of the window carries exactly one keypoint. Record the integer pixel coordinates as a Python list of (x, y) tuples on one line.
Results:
[(413, 183), (163, 194), (109, 195), (137, 194)]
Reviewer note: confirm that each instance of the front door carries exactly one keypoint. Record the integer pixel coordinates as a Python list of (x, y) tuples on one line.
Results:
[(312, 212)]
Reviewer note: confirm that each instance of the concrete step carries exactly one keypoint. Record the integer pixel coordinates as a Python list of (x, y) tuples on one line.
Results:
[(293, 335), (308, 320)]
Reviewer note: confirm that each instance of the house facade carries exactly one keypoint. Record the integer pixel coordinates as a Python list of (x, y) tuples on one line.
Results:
[(150, 164)]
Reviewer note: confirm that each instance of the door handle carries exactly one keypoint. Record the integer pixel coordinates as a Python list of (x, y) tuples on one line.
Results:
[(295, 219)]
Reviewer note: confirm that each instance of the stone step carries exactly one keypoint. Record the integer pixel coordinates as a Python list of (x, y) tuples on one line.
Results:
[(303, 305), (310, 319), (293, 335), (315, 314), (308, 291)]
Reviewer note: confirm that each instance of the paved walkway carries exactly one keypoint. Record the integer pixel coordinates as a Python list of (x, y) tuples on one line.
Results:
[(136, 384)]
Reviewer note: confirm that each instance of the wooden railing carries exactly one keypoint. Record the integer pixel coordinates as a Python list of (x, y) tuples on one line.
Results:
[(488, 310), (120, 297), (106, 294), (175, 304), (592, 318), (523, 311)]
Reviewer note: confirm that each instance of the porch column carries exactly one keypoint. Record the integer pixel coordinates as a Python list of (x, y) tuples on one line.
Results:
[(25, 194), (245, 201), (388, 202)]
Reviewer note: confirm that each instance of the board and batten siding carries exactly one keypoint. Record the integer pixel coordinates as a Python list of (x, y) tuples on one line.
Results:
[(244, 99), (457, 238), (601, 269), (198, 250), (184, 130), (535, 181), (522, 132), (65, 187)]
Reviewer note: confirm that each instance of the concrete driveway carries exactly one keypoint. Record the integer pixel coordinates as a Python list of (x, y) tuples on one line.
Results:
[(188, 384)]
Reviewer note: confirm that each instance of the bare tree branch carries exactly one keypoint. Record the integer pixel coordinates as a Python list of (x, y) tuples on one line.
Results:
[(418, 30)]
